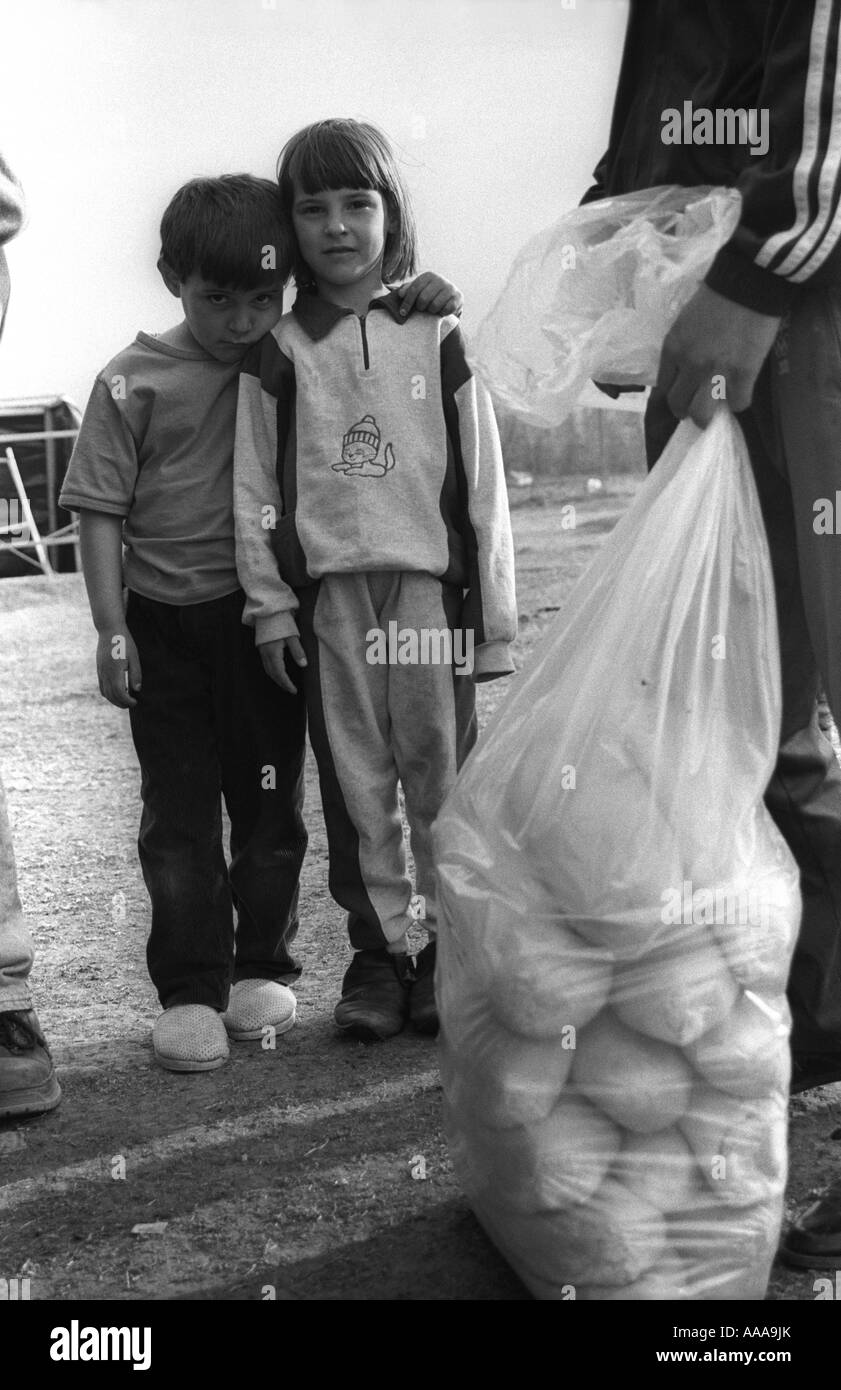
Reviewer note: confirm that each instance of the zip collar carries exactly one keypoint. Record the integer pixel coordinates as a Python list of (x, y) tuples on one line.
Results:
[(318, 316)]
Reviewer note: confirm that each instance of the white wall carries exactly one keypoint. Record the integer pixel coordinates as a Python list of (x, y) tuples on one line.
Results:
[(500, 108)]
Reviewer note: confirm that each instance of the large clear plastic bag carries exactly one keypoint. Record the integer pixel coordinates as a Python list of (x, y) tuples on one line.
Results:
[(595, 294), (619, 913)]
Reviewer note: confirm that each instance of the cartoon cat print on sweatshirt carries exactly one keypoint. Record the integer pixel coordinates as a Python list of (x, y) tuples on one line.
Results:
[(360, 451)]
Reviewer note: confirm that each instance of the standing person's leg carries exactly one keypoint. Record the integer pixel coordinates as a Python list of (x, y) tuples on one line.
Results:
[(802, 377), (190, 952), (16, 950), (28, 1083), (432, 705), (261, 734), (350, 736), (804, 794)]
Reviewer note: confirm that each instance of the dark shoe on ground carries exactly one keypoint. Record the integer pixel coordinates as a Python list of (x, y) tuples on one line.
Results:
[(28, 1083), (423, 1011), (814, 1242), (375, 995), (810, 1069)]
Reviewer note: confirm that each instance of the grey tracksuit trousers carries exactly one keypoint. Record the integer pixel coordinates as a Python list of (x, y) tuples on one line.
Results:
[(373, 723)]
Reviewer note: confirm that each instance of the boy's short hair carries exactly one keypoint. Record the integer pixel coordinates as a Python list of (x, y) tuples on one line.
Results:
[(222, 229), (341, 153)]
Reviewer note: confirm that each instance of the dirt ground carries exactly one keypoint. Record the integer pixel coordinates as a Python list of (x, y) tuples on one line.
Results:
[(314, 1171)]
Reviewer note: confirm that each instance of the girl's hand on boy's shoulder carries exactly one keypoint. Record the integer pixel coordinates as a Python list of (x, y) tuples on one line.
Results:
[(118, 668), (429, 293), (273, 657)]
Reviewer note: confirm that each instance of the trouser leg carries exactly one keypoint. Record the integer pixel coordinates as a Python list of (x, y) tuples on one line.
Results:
[(190, 952), (432, 710), (350, 736), (804, 793), (261, 741), (16, 951), (802, 381)]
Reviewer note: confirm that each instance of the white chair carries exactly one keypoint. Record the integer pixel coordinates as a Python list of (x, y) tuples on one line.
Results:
[(31, 537)]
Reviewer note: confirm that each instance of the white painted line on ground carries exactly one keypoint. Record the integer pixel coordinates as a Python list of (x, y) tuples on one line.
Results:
[(182, 1141)]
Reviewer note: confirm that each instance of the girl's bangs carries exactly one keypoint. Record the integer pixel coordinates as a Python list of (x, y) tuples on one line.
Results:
[(336, 160)]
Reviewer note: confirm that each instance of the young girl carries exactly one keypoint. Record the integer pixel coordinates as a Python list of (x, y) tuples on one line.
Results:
[(374, 546)]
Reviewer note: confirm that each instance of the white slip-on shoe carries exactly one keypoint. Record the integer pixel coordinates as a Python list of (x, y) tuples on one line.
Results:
[(255, 1005), (190, 1037)]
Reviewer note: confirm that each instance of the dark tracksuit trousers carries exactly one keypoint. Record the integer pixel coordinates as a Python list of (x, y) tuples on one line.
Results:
[(209, 723), (793, 433)]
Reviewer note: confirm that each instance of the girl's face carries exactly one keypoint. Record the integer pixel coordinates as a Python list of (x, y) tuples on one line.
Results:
[(341, 235)]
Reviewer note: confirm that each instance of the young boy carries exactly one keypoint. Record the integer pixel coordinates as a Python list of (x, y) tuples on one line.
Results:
[(152, 472)]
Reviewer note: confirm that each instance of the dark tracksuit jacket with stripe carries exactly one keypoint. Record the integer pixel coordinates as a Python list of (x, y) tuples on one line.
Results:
[(780, 55), (366, 444)]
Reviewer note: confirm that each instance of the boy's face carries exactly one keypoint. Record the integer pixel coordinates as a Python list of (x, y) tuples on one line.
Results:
[(341, 234), (224, 321)]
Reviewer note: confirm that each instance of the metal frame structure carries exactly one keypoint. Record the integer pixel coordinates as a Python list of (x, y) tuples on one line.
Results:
[(45, 407)]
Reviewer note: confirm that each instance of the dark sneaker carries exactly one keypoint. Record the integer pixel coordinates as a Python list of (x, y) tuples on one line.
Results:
[(28, 1083), (423, 1011), (375, 995), (810, 1069), (814, 1242)]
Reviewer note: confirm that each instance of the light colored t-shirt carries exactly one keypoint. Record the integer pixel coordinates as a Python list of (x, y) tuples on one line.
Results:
[(156, 447)]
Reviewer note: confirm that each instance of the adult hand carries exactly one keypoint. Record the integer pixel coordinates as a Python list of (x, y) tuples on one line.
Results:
[(272, 655), (714, 351)]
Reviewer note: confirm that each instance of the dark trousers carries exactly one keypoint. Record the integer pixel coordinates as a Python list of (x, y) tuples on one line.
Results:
[(209, 723), (793, 433)]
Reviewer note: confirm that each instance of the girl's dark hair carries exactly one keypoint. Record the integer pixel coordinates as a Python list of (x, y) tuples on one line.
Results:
[(221, 228), (349, 154)]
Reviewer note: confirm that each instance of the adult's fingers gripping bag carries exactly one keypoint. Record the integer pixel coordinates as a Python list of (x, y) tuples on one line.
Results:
[(595, 294), (619, 913)]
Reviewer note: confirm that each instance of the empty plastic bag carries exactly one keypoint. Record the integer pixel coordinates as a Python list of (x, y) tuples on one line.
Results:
[(595, 294), (619, 913)]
